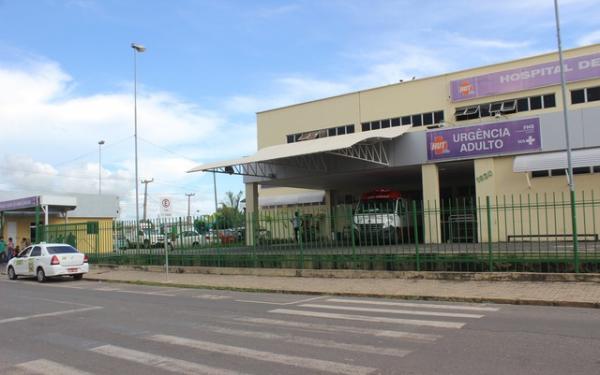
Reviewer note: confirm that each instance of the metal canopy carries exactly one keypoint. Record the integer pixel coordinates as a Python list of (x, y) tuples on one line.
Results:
[(556, 160), (367, 146)]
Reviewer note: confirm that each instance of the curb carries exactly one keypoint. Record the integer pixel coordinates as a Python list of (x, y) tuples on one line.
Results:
[(504, 301)]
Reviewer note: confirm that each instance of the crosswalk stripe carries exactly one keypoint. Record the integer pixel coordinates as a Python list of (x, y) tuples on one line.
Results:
[(310, 341), (392, 311), (44, 315), (44, 366), (164, 363), (374, 319), (309, 363), (346, 329), (420, 305)]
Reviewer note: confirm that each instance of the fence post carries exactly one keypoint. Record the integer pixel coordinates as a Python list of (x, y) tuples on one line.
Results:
[(352, 238), (300, 235), (574, 225), (416, 233), (489, 233)]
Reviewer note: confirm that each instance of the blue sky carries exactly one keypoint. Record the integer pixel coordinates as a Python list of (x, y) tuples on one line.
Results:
[(66, 76)]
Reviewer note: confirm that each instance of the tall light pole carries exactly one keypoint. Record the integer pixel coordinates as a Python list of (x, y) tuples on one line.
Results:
[(563, 88), (215, 190), (137, 48), (100, 143), (189, 214)]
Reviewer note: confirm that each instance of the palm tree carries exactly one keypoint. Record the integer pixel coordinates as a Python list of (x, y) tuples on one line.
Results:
[(233, 200)]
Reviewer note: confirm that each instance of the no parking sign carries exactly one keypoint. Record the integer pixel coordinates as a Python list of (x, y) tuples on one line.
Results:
[(165, 206)]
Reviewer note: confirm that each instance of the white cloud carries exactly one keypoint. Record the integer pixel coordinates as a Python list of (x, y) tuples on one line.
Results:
[(44, 124), (590, 38)]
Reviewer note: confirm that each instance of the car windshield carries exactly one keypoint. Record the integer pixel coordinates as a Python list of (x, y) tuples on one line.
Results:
[(64, 249), (384, 206)]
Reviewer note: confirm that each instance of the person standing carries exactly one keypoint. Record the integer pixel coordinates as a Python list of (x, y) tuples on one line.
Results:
[(24, 243), (10, 249), (3, 253), (296, 223)]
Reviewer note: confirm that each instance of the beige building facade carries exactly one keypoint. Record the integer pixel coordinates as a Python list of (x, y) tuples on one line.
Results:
[(491, 135)]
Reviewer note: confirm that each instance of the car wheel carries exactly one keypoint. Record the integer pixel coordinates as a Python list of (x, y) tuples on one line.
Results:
[(40, 275), (11, 273), (78, 276)]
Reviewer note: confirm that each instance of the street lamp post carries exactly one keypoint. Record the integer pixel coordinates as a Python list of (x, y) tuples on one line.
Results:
[(100, 143), (137, 48), (563, 88)]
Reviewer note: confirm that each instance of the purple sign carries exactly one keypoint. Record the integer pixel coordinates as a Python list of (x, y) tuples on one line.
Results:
[(18, 204), (490, 139), (530, 77)]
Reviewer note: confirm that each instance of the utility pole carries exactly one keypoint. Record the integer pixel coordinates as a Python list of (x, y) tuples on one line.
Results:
[(189, 215), (146, 182), (215, 190)]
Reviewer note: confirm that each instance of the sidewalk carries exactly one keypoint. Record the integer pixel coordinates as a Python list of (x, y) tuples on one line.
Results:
[(575, 294)]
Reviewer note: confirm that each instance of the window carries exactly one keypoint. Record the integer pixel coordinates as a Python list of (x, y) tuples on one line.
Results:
[(365, 126), (350, 129), (523, 104), (593, 94), (581, 170), (438, 116), (375, 125), (549, 101), (484, 110), (290, 138), (596, 168), (406, 120), (536, 174), (578, 96), (65, 249), (396, 121), (558, 172), (385, 124), (331, 132), (495, 108), (535, 102), (341, 130), (427, 118), (36, 252), (509, 106), (416, 120)]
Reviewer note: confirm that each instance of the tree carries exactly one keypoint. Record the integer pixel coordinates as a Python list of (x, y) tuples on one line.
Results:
[(229, 215), (233, 200)]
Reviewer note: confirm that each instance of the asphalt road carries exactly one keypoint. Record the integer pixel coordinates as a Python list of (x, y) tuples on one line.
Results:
[(67, 327)]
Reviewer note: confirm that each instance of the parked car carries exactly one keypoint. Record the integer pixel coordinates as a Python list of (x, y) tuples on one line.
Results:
[(48, 260), (189, 238)]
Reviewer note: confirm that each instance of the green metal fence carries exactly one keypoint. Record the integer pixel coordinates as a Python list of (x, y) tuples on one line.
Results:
[(529, 232)]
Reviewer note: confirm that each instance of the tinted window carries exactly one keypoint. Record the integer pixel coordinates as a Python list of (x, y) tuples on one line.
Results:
[(494, 107), (535, 102), (581, 170), (36, 252), (484, 110), (597, 169), (350, 129), (549, 101), (341, 130), (331, 132), (365, 126), (396, 121), (375, 125), (66, 249), (535, 174), (593, 94), (406, 120), (416, 120), (385, 123), (559, 172), (427, 118), (24, 253), (523, 104), (290, 139), (577, 96), (438, 117)]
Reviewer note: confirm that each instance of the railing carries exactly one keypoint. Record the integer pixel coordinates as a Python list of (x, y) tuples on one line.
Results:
[(504, 233)]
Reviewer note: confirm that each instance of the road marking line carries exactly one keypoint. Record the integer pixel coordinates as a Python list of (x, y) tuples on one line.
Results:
[(145, 293), (309, 363), (164, 363), (56, 301), (391, 311), (106, 289), (215, 297), (375, 319), (279, 303), (310, 341), (346, 329), (57, 313), (44, 367), (421, 305)]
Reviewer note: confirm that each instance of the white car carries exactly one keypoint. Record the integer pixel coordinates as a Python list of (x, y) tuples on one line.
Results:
[(48, 260)]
